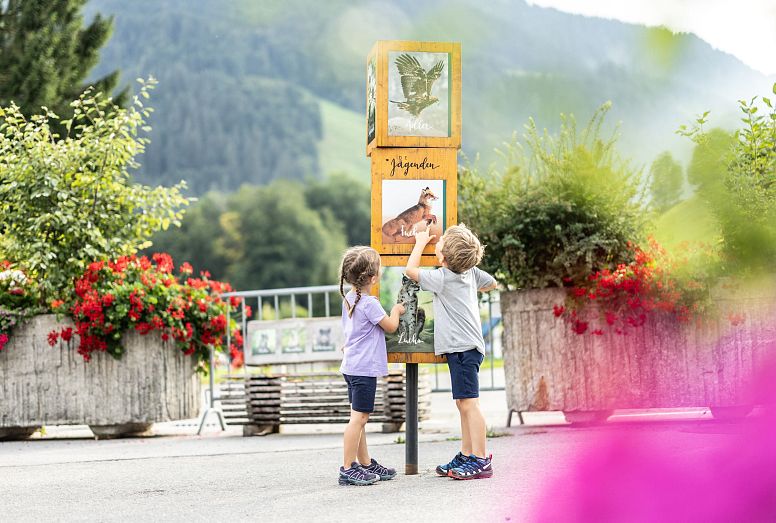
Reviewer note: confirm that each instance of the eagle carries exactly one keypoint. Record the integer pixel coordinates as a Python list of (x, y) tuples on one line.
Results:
[(416, 83)]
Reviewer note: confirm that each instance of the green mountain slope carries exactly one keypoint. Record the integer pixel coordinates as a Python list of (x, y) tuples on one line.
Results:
[(241, 81), (342, 147), (690, 220)]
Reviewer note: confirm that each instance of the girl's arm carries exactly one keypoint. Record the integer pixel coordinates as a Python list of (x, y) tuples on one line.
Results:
[(390, 323)]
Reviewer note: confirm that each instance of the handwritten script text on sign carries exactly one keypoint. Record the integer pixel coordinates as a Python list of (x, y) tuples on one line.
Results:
[(403, 165)]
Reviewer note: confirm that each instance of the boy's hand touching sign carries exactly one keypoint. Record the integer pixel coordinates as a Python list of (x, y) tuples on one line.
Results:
[(423, 237)]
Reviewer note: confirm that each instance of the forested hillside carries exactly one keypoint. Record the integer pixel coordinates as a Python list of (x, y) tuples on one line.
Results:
[(254, 91)]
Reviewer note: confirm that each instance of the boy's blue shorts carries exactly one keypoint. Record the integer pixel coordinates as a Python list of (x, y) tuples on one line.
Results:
[(361, 393), (464, 373)]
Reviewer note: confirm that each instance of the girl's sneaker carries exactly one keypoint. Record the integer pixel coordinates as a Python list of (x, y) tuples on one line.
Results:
[(356, 475), (383, 472), (457, 461), (473, 468)]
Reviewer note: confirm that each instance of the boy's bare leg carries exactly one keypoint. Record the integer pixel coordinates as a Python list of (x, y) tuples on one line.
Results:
[(353, 436), (470, 411), (363, 451), (466, 440)]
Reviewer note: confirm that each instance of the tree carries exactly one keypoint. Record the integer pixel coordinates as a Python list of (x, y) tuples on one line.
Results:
[(348, 201), (285, 243), (710, 158), (264, 237), (46, 53), (666, 181), (195, 240)]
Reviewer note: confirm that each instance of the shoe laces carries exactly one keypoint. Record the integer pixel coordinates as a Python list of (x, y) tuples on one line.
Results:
[(457, 461), (471, 465), (376, 468)]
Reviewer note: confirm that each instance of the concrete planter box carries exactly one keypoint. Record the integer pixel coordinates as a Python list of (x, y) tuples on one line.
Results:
[(44, 385), (663, 364)]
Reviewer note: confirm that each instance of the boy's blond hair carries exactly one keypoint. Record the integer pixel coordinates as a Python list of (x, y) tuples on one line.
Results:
[(461, 248)]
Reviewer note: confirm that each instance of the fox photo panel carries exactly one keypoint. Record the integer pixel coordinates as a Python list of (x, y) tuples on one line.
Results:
[(413, 95), (413, 190)]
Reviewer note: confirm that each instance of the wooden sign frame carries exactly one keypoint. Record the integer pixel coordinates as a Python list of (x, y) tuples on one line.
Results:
[(378, 100), (439, 167)]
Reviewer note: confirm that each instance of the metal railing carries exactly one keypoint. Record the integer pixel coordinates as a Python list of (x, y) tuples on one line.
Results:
[(296, 296)]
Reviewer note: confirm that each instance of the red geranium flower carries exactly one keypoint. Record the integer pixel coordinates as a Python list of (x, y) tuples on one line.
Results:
[(67, 334), (579, 326)]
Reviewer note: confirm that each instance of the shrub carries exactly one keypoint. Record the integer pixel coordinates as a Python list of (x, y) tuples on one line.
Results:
[(561, 208), (68, 200)]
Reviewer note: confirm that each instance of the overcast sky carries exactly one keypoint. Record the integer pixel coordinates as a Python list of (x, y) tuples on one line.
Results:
[(743, 28)]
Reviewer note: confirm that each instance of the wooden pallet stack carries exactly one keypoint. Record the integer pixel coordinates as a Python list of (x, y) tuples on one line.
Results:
[(395, 387), (231, 394), (311, 398)]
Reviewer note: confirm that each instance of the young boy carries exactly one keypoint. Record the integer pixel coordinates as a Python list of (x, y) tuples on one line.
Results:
[(458, 334)]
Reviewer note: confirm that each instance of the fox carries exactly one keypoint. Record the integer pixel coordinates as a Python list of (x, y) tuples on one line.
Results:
[(402, 224)]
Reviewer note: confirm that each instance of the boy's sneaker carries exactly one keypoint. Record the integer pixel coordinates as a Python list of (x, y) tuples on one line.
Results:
[(457, 461), (383, 472), (473, 468), (356, 475)]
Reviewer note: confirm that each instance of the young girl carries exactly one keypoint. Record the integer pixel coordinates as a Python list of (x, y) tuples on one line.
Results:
[(365, 323)]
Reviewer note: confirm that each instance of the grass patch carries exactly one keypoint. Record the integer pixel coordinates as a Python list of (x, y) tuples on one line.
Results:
[(690, 220), (399, 440), (493, 433), (343, 147)]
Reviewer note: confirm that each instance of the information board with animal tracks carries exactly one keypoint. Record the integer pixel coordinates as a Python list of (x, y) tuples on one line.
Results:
[(299, 340)]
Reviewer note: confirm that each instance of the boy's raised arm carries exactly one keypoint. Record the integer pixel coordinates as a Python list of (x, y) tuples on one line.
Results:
[(413, 263)]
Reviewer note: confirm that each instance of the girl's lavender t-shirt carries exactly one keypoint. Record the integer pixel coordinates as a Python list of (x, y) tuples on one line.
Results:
[(365, 353)]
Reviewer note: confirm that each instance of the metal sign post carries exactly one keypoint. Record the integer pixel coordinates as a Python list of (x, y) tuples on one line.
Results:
[(411, 445)]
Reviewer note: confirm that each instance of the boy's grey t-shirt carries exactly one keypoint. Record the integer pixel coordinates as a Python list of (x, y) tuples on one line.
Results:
[(457, 325)]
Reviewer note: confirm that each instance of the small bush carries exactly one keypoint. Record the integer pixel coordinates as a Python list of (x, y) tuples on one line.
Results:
[(561, 208)]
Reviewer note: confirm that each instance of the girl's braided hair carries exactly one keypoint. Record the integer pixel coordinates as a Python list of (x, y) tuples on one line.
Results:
[(359, 266)]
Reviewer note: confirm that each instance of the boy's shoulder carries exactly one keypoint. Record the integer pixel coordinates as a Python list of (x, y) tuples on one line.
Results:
[(443, 278)]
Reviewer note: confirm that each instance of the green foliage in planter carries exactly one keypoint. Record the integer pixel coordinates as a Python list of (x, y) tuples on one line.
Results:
[(561, 207), (68, 200), (745, 201)]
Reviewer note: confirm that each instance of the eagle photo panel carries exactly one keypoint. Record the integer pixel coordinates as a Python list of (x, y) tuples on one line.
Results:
[(413, 95), (418, 94)]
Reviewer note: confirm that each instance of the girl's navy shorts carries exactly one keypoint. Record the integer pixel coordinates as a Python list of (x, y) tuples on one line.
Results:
[(361, 392)]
